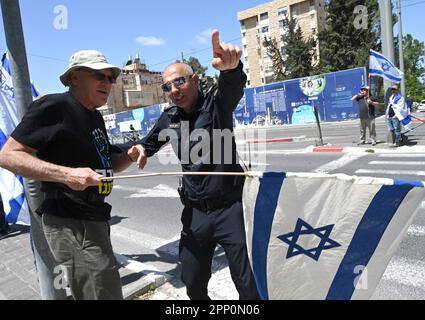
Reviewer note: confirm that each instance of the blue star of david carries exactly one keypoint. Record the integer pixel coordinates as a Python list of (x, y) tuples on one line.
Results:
[(385, 66), (303, 228)]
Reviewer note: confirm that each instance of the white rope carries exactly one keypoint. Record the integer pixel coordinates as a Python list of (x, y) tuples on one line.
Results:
[(155, 174)]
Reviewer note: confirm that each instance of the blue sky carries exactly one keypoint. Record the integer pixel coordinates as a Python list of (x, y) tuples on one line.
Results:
[(158, 30)]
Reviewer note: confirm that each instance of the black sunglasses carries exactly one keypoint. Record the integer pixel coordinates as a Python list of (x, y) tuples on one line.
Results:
[(99, 76), (178, 82)]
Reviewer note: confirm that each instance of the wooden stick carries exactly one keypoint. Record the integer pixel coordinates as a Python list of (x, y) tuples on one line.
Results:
[(156, 174)]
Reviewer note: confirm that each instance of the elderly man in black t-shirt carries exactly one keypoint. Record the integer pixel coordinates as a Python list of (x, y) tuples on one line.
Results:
[(62, 141), (366, 114)]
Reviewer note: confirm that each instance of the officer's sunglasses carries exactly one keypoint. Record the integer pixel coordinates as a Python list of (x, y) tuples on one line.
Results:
[(99, 76), (178, 82)]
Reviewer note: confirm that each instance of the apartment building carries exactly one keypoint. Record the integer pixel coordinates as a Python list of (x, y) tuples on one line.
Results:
[(136, 87), (267, 20)]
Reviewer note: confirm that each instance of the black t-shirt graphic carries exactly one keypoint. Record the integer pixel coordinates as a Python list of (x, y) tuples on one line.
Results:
[(65, 133)]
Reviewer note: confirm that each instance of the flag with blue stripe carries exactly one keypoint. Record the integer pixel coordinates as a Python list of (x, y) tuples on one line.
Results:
[(401, 110), (381, 66), (317, 236), (11, 186)]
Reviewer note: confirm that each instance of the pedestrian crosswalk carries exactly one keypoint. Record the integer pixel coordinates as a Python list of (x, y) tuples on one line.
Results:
[(396, 166)]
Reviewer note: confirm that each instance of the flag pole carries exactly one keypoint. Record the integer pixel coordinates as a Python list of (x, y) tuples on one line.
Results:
[(156, 174)]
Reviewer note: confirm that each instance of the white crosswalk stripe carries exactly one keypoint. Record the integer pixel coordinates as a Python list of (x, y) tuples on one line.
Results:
[(392, 172), (395, 165), (402, 163)]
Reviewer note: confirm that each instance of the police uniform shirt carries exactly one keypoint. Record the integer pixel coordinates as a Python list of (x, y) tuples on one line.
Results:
[(65, 133), (214, 111)]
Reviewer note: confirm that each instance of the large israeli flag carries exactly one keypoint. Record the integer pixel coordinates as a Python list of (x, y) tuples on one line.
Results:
[(11, 186), (318, 236), (401, 110), (380, 66)]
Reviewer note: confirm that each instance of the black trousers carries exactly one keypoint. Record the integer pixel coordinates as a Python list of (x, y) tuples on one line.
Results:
[(202, 231)]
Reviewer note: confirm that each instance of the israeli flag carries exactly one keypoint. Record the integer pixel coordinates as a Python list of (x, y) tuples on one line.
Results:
[(317, 236), (401, 110), (380, 66), (11, 186)]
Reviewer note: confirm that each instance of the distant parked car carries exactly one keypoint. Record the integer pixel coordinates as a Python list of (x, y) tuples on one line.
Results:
[(421, 106)]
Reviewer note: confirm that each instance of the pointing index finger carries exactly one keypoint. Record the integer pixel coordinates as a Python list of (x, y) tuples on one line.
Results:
[(215, 37)]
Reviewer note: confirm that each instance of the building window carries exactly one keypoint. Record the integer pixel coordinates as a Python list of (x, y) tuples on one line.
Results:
[(282, 24), (269, 79), (313, 30), (242, 23), (282, 12), (243, 34), (265, 29), (264, 16), (294, 12), (311, 3), (248, 82)]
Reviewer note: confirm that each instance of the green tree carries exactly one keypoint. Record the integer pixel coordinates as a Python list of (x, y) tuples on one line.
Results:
[(349, 33), (414, 66), (275, 54), (196, 65), (296, 59)]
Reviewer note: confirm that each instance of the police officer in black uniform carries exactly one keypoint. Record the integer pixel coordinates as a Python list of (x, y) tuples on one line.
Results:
[(212, 211)]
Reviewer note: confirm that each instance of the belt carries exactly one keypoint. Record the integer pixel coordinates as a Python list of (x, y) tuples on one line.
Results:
[(84, 196), (211, 203)]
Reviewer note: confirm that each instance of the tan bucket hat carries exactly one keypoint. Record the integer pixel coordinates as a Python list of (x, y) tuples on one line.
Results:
[(90, 59)]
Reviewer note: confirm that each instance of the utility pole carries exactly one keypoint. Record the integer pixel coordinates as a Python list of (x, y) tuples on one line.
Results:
[(400, 48), (387, 37), (22, 88), (17, 53)]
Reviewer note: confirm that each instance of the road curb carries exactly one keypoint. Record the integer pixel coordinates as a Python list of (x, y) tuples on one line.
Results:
[(329, 149), (277, 140), (339, 149), (150, 277)]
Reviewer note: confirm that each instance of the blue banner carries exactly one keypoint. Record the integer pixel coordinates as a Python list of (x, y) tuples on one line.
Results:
[(293, 101)]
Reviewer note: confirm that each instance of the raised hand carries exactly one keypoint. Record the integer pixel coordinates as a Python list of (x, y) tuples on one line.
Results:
[(226, 56)]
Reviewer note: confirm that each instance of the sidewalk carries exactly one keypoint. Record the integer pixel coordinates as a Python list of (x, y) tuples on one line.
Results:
[(18, 278)]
